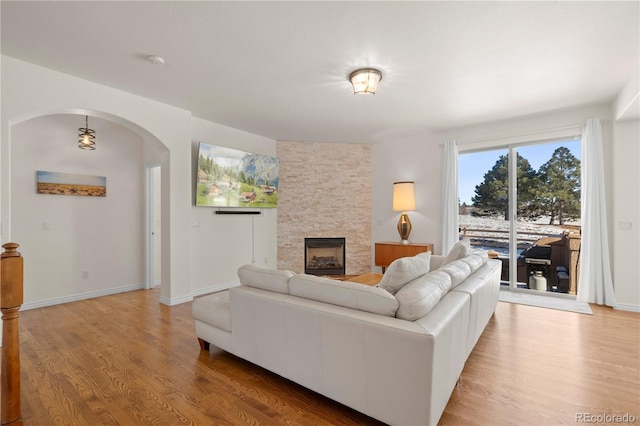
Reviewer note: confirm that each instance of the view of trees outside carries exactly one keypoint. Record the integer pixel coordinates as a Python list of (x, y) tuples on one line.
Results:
[(548, 193), (552, 191)]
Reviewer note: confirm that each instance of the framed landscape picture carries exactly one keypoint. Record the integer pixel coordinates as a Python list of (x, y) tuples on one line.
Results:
[(229, 177), (71, 184)]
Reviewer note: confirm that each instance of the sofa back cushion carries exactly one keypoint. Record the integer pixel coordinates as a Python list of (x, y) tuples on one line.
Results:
[(458, 270), (267, 279), (483, 254), (418, 297), (403, 270), (344, 293), (474, 260)]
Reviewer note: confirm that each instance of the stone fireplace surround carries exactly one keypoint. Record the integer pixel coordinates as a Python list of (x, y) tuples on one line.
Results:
[(324, 192)]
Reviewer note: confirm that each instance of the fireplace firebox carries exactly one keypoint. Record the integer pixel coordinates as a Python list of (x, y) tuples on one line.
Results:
[(324, 256)]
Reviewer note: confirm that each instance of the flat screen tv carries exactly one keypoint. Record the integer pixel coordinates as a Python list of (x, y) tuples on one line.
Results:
[(232, 178)]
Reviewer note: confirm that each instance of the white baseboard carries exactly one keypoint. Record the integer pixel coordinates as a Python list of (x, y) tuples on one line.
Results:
[(123, 289), (198, 292), (176, 301), (631, 308), (214, 288), (82, 296)]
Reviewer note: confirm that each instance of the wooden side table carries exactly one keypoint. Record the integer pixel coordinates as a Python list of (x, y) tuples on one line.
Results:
[(387, 252)]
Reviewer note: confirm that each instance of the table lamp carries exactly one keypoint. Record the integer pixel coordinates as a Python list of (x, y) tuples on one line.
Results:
[(404, 199)]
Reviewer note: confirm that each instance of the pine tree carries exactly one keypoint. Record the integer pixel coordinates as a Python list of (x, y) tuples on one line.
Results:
[(492, 195), (559, 194)]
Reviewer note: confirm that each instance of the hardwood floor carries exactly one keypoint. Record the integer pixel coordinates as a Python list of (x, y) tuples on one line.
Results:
[(126, 359)]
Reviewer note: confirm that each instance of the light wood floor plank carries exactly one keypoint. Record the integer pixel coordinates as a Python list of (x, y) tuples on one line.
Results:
[(126, 359)]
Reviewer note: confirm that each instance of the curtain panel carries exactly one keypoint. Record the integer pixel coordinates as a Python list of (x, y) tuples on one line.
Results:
[(596, 285), (450, 229)]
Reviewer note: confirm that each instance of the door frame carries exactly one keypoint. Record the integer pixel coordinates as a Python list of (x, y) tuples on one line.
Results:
[(149, 225), (512, 149)]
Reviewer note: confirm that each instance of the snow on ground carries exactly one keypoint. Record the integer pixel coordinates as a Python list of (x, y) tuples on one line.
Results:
[(489, 224)]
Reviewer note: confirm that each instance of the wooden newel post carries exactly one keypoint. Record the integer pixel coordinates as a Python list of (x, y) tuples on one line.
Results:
[(11, 298)]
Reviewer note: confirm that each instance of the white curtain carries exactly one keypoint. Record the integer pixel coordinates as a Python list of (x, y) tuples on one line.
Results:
[(450, 230), (596, 285)]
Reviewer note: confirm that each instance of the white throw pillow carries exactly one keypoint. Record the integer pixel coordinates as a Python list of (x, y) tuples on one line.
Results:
[(420, 296), (267, 279), (403, 270), (459, 250)]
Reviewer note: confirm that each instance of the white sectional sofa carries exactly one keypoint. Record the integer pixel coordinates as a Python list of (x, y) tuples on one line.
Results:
[(396, 358)]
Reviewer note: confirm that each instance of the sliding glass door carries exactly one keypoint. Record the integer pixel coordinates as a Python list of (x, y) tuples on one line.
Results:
[(522, 203)]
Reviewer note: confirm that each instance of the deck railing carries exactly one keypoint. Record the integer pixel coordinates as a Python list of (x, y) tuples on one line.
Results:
[(11, 299), (503, 235)]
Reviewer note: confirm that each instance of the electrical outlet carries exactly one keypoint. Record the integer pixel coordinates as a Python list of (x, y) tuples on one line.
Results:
[(46, 226), (266, 260), (624, 226), (85, 275)]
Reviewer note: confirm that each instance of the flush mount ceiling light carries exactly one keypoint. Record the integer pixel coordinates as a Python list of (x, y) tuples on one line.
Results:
[(86, 136), (365, 80), (156, 60)]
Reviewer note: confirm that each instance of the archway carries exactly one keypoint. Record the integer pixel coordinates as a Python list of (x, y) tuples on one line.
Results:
[(69, 213)]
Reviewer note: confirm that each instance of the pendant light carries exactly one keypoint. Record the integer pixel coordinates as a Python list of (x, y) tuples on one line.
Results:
[(86, 136)]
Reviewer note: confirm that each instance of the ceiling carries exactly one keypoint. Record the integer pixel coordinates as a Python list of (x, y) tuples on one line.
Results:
[(279, 69)]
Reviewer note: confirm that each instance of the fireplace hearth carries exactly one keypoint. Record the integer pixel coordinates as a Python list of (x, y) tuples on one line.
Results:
[(324, 256)]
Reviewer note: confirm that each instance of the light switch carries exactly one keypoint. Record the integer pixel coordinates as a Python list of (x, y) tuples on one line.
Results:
[(46, 226)]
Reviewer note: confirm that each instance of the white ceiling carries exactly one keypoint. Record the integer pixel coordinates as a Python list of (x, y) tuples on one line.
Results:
[(279, 69)]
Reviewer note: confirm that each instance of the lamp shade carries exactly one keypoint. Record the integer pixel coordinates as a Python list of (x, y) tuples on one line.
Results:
[(404, 197), (365, 80)]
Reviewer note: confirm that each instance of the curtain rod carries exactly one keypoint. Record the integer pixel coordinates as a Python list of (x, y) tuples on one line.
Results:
[(511, 135)]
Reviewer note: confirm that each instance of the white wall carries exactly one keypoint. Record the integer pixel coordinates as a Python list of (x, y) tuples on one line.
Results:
[(419, 161), (169, 137), (222, 243), (626, 195), (61, 236), (626, 209), (30, 91), (626, 106)]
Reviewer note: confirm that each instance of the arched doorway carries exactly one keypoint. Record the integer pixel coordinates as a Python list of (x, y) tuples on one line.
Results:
[(80, 247)]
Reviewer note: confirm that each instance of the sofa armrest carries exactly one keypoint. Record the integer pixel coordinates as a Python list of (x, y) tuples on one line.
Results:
[(436, 261)]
